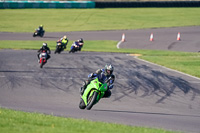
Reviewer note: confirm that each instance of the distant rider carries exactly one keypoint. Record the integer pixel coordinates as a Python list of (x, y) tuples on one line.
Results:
[(104, 75), (77, 45), (64, 41), (45, 49), (80, 43), (40, 29)]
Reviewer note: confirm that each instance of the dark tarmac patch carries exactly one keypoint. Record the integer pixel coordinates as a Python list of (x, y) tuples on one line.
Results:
[(171, 45)]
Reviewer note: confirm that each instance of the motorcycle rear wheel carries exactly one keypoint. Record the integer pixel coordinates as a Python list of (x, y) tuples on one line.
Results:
[(42, 34)]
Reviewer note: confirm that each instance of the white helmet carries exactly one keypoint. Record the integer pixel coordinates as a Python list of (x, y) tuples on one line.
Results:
[(44, 44)]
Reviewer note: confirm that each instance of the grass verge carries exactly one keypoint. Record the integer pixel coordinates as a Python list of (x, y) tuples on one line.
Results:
[(24, 122), (63, 20)]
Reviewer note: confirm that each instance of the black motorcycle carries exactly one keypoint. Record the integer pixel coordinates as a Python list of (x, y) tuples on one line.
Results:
[(59, 48), (38, 33)]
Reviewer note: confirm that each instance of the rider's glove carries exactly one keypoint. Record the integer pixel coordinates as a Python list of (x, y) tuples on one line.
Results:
[(110, 86), (91, 75)]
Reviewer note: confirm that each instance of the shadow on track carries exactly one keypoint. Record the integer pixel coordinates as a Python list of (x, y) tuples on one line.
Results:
[(15, 71), (59, 68), (50, 37), (151, 82), (148, 113)]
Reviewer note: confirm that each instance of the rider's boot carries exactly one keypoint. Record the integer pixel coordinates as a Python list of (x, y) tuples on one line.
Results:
[(82, 89)]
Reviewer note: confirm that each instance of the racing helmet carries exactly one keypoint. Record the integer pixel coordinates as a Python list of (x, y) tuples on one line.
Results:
[(44, 44), (109, 69), (41, 25), (80, 40), (65, 37)]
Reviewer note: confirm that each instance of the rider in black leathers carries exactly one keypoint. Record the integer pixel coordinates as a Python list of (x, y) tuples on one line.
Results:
[(46, 49), (40, 29), (104, 75)]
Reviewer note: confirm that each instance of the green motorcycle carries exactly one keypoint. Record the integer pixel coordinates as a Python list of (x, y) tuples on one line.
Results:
[(92, 94)]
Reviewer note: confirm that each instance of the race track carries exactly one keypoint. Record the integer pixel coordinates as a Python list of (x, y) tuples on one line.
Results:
[(144, 94)]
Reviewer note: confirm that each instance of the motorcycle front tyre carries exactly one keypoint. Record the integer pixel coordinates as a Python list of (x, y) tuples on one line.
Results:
[(56, 51), (42, 63), (92, 101), (34, 35), (82, 104)]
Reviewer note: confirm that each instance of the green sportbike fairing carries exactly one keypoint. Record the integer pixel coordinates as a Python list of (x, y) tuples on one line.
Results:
[(92, 94)]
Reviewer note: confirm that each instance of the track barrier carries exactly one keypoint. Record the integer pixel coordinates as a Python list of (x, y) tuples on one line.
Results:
[(91, 4), (46, 4)]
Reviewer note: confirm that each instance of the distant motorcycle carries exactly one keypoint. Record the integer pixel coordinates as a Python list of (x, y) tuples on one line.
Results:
[(74, 48), (43, 59), (38, 33), (59, 48)]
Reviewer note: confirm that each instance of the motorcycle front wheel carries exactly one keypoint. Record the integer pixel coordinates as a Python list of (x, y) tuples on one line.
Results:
[(82, 104), (42, 63), (34, 35), (91, 100)]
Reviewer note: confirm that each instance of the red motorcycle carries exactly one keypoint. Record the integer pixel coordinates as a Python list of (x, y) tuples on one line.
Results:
[(43, 59)]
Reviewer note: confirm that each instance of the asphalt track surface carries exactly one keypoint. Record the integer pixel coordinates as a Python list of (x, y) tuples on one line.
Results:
[(144, 94)]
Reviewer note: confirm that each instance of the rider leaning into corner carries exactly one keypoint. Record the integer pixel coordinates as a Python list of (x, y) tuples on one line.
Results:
[(80, 44), (104, 75), (46, 49), (40, 28), (64, 41)]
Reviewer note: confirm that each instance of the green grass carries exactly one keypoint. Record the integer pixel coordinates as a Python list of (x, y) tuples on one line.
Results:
[(90, 45), (185, 62), (22, 122), (182, 61), (57, 20)]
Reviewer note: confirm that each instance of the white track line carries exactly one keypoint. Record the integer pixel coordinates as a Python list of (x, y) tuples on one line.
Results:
[(119, 44)]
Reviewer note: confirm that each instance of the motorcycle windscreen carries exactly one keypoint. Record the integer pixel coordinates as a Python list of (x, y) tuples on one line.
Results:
[(43, 55)]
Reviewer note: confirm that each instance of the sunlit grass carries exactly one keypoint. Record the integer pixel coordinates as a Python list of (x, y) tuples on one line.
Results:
[(57, 20), (23, 122)]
